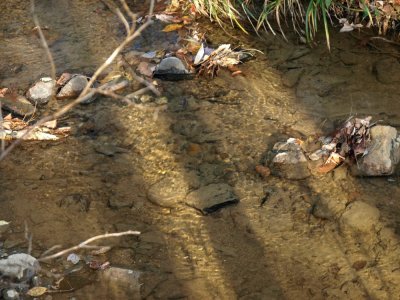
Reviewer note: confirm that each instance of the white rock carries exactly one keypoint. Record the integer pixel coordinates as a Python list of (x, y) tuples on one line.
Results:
[(19, 265)]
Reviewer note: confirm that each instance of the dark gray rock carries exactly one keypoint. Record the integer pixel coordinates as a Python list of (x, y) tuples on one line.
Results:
[(289, 161), (73, 87), (212, 197), (361, 216), (171, 68), (383, 153), (18, 105), (168, 192), (40, 93)]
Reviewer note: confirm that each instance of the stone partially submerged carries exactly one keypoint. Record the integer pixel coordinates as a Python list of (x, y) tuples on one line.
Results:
[(212, 197), (383, 153), (41, 92), (289, 161)]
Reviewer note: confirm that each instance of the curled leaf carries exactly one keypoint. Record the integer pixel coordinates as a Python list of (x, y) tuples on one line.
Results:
[(172, 27), (37, 291)]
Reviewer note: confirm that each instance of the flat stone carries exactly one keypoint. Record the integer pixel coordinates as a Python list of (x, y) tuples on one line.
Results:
[(168, 192), (120, 283), (73, 87), (289, 162), (383, 153), (40, 93), (120, 202), (361, 216), (109, 149), (212, 197), (18, 105)]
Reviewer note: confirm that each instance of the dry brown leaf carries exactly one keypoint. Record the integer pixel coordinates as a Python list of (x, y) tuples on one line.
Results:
[(325, 168), (37, 291), (172, 27)]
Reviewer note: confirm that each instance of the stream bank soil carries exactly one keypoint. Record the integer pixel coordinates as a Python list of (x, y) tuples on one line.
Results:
[(329, 236)]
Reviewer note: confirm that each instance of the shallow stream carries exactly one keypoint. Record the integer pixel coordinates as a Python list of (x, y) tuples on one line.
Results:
[(212, 131)]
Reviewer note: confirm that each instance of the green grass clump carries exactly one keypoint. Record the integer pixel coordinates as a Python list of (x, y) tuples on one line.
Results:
[(304, 15)]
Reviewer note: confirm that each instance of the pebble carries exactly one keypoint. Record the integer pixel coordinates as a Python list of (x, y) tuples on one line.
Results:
[(40, 93), (10, 294), (171, 68), (212, 197), (73, 87), (18, 105), (168, 192)]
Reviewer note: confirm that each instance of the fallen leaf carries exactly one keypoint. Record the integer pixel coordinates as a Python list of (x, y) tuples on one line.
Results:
[(172, 27), (325, 168), (37, 291)]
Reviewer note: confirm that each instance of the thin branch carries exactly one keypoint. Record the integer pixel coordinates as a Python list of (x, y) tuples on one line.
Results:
[(123, 20), (88, 241)]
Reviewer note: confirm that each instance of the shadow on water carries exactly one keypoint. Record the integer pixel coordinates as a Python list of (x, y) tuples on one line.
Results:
[(212, 132)]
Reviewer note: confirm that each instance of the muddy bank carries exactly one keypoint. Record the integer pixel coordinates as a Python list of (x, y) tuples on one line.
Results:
[(330, 236)]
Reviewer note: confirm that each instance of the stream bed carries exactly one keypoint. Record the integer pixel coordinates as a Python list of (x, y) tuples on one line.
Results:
[(328, 236)]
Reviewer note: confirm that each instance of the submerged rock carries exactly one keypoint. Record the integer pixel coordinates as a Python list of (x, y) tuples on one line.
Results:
[(119, 283), (18, 105), (383, 153), (40, 93), (212, 197), (361, 216), (73, 87), (19, 266), (171, 68), (168, 192), (289, 161)]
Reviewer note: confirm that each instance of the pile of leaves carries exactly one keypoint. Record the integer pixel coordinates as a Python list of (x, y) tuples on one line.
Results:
[(349, 141)]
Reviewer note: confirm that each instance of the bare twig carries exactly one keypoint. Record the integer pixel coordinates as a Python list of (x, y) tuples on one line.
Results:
[(63, 110), (88, 241)]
